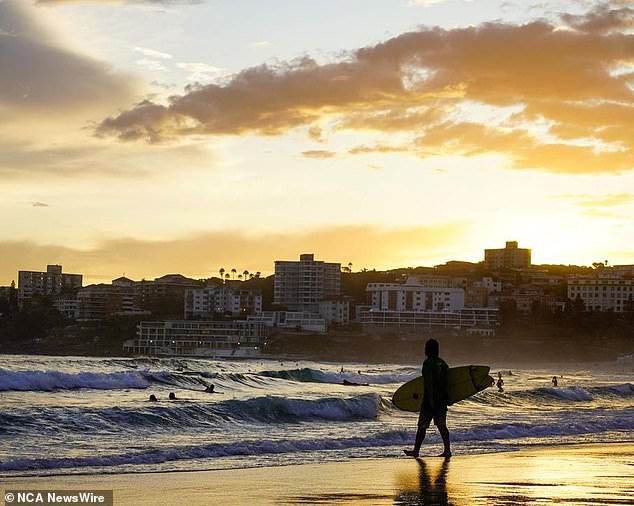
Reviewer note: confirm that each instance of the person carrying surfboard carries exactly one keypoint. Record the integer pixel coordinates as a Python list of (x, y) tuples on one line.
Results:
[(434, 406)]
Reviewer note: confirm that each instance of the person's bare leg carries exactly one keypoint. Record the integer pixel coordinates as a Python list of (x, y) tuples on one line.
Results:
[(444, 432), (420, 437)]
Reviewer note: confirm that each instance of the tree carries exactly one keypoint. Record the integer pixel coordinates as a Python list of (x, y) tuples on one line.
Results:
[(227, 276), (245, 274), (233, 273), (222, 272)]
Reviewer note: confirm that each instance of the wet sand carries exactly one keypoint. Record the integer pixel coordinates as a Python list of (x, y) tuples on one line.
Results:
[(588, 474)]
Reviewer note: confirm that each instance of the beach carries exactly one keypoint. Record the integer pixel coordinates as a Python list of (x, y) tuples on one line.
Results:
[(575, 474)]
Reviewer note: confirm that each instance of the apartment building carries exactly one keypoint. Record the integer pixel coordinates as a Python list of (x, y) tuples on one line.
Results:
[(51, 282), (302, 285), (232, 297), (412, 296), (510, 257), (602, 291)]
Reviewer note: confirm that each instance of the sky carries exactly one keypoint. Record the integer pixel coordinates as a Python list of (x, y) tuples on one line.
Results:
[(146, 137)]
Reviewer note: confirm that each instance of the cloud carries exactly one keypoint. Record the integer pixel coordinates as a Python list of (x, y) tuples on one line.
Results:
[(40, 204), (40, 77), (200, 256), (319, 153), (152, 53), (602, 19), (607, 200), (199, 71), (419, 82)]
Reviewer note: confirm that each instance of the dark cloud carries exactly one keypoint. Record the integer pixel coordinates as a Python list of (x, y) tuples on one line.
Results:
[(577, 80), (38, 75), (603, 18)]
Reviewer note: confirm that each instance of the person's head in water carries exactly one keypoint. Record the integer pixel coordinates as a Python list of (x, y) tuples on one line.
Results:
[(172, 396), (153, 398), (431, 348)]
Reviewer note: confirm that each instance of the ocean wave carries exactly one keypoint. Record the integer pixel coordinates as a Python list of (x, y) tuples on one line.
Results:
[(215, 450), (572, 394), (268, 409), (316, 376), (48, 381)]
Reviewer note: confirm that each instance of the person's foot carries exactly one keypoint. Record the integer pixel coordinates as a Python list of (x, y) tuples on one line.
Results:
[(445, 454), (411, 453)]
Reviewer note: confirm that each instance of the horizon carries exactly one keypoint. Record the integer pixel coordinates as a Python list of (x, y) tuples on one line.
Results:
[(145, 137)]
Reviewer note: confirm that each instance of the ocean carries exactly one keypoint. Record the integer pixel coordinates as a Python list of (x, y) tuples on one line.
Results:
[(74, 415)]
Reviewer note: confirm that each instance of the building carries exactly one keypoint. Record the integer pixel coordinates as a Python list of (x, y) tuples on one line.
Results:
[(510, 257), (525, 298), (51, 282), (412, 296), (231, 298), (213, 339), (130, 297), (602, 291), (98, 302), (292, 321), (301, 286), (165, 296), (336, 310), (483, 319), (67, 304)]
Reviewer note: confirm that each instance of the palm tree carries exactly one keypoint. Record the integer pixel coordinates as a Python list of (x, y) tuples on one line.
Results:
[(257, 274), (233, 273), (222, 273), (246, 274), (227, 276), (349, 266)]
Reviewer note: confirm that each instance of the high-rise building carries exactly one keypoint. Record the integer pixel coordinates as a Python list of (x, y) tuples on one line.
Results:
[(301, 286), (51, 282), (510, 257)]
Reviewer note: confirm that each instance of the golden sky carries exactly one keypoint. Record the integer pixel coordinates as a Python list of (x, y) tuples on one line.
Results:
[(147, 137)]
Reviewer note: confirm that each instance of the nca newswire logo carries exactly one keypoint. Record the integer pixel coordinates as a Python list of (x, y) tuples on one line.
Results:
[(51, 497)]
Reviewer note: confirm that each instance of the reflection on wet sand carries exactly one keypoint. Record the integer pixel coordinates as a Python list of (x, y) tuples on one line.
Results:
[(429, 492)]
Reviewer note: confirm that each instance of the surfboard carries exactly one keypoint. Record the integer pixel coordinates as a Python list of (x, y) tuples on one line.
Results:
[(462, 382)]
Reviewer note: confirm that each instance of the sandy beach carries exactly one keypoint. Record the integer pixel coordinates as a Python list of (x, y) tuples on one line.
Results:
[(578, 474)]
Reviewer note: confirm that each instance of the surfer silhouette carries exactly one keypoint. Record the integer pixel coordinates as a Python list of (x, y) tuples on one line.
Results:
[(500, 382), (210, 389), (434, 404), (153, 398), (172, 396), (554, 381)]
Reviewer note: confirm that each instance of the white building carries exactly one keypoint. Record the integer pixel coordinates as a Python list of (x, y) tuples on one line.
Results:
[(602, 291), (335, 311), (412, 296), (231, 297), (213, 339), (301, 321), (482, 319), (301, 286), (51, 282)]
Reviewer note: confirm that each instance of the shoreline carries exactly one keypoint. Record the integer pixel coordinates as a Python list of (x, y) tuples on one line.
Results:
[(590, 473)]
